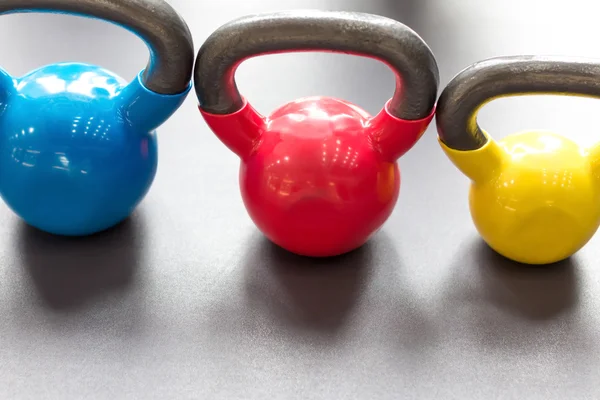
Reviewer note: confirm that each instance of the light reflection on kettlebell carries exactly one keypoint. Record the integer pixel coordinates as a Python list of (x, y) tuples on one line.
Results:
[(319, 175), (534, 196), (77, 142)]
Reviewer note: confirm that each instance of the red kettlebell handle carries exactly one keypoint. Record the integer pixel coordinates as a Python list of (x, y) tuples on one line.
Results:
[(398, 126)]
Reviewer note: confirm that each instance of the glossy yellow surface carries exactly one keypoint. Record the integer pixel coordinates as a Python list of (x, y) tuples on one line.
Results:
[(535, 196)]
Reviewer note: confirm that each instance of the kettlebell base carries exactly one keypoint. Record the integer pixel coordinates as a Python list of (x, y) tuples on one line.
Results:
[(78, 232), (318, 254), (528, 260), (545, 236)]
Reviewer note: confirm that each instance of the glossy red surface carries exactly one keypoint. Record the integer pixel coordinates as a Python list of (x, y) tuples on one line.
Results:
[(319, 175)]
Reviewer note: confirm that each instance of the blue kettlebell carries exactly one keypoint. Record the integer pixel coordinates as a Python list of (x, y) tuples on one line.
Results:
[(78, 148)]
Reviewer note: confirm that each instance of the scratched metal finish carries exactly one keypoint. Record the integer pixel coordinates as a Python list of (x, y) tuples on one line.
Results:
[(186, 300)]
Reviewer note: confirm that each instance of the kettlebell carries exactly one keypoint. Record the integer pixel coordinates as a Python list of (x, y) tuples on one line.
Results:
[(534, 196), (78, 147), (318, 176)]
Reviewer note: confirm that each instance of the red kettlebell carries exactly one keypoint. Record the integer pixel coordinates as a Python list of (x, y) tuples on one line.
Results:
[(319, 175)]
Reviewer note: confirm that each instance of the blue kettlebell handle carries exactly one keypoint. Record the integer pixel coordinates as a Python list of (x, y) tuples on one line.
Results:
[(161, 87)]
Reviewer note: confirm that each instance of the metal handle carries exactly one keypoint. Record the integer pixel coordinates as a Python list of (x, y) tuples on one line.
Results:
[(482, 82), (169, 69), (384, 39)]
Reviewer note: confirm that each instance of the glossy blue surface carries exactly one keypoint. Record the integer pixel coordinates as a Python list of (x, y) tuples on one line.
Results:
[(78, 148)]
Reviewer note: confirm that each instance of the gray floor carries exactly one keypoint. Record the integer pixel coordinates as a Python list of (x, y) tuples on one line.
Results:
[(186, 300)]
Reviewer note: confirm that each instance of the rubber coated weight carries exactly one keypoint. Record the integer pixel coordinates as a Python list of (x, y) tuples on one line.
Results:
[(535, 196), (77, 142), (319, 175)]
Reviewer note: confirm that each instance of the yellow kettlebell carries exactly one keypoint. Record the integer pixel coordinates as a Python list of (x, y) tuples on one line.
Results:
[(534, 196)]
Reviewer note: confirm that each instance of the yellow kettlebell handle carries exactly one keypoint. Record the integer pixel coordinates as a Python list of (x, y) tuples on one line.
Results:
[(485, 81)]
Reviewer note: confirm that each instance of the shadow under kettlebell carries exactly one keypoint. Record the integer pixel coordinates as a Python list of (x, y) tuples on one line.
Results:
[(538, 292), (304, 292), (68, 272)]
